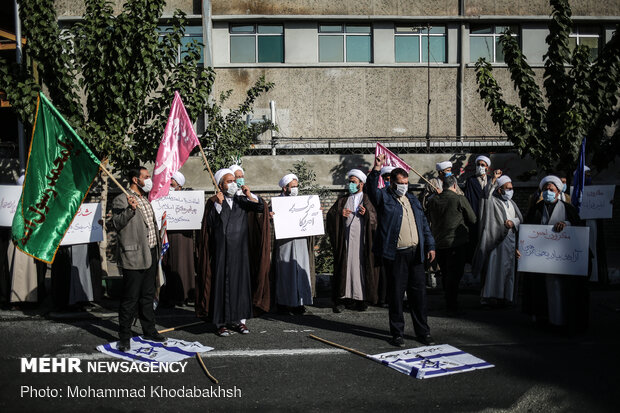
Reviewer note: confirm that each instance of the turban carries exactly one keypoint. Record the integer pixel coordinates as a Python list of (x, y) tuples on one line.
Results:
[(440, 166), (553, 179), (358, 174), (179, 177), (236, 168), (287, 179), (220, 174), (483, 158), (387, 170), (20, 180), (504, 179)]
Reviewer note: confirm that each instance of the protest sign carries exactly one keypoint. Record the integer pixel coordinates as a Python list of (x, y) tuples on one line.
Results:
[(9, 197), (545, 251), (297, 216), (145, 351), (431, 361), (184, 209), (596, 202), (85, 227)]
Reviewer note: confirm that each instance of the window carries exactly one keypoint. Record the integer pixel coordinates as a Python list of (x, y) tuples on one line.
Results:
[(484, 42), (345, 43), (192, 33), (411, 44), (256, 43), (586, 36)]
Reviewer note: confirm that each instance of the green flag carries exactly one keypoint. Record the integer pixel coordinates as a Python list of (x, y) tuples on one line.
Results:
[(59, 173)]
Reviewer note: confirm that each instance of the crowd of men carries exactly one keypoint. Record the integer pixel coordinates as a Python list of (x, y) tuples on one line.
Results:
[(383, 238)]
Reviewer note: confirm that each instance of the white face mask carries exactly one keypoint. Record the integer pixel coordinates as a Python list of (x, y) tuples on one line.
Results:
[(507, 195), (232, 189), (401, 189), (294, 191), (480, 170), (148, 185)]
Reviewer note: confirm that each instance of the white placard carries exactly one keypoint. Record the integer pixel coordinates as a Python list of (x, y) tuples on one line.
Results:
[(597, 201), (297, 216), (184, 209), (545, 251), (85, 226), (9, 198)]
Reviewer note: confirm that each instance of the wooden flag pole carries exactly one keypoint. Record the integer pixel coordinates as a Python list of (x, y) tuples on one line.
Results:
[(424, 179), (204, 158), (322, 340), (180, 327), (103, 168), (202, 364)]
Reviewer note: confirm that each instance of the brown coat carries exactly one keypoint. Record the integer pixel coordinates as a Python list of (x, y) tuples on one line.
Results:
[(336, 231)]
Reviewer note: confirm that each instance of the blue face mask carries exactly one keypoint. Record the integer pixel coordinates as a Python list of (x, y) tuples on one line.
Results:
[(564, 188), (448, 174), (240, 182), (549, 196), (353, 188)]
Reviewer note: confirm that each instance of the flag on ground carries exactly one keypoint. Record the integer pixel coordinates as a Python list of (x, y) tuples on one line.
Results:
[(178, 141), (391, 159), (59, 173), (579, 178), (145, 351), (431, 361)]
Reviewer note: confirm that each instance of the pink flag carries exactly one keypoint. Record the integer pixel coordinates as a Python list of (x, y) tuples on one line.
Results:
[(178, 141), (391, 159)]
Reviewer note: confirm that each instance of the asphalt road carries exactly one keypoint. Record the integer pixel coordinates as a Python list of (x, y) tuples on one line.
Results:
[(277, 367)]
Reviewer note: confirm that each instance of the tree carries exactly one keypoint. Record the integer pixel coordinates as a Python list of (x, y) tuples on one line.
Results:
[(581, 98)]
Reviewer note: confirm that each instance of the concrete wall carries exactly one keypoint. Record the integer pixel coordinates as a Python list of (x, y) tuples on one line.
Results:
[(67, 8)]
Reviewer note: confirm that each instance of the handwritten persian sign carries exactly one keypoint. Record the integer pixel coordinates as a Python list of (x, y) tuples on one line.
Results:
[(85, 227), (184, 209), (9, 197), (597, 202), (431, 361), (297, 216), (545, 251)]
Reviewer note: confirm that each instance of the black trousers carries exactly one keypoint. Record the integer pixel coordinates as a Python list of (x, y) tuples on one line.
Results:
[(452, 264), (138, 296), (406, 273)]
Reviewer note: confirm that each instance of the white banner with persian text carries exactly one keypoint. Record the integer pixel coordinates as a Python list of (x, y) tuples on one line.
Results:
[(597, 202), (297, 216), (184, 209), (85, 227), (9, 197), (545, 251)]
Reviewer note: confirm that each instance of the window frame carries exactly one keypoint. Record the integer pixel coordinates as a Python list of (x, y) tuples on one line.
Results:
[(192, 36), (494, 35), (574, 34), (256, 35), (422, 37), (344, 34)]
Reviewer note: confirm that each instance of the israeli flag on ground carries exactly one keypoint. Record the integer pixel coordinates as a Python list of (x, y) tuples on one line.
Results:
[(431, 361), (149, 351)]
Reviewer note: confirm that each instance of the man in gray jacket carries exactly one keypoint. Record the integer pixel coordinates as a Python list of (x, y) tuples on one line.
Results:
[(138, 254)]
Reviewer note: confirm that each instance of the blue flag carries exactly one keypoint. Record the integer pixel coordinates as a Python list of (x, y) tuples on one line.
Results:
[(579, 177)]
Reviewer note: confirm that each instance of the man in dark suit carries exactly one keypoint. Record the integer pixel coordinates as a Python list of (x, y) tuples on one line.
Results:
[(139, 247), (404, 240)]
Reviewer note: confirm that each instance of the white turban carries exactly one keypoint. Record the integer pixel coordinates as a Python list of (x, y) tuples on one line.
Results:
[(586, 168), (20, 180), (358, 174), (504, 179), (221, 173), (483, 158), (440, 166), (286, 179), (387, 170), (236, 168), (553, 179), (179, 177)]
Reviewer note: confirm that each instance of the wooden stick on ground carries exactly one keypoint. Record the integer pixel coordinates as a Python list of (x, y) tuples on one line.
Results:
[(180, 327), (322, 340), (202, 364)]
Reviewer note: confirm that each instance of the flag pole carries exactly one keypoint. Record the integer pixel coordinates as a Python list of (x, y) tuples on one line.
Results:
[(350, 350), (204, 158), (424, 179), (180, 327), (204, 368), (103, 168)]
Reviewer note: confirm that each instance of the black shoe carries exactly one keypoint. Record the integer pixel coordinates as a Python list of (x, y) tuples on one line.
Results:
[(427, 340), (124, 345), (158, 338), (397, 341), (299, 310), (338, 308), (361, 305)]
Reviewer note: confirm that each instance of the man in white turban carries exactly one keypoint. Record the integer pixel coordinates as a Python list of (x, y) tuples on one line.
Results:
[(495, 256), (444, 169), (474, 188), (224, 287), (293, 260), (177, 181), (351, 226)]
